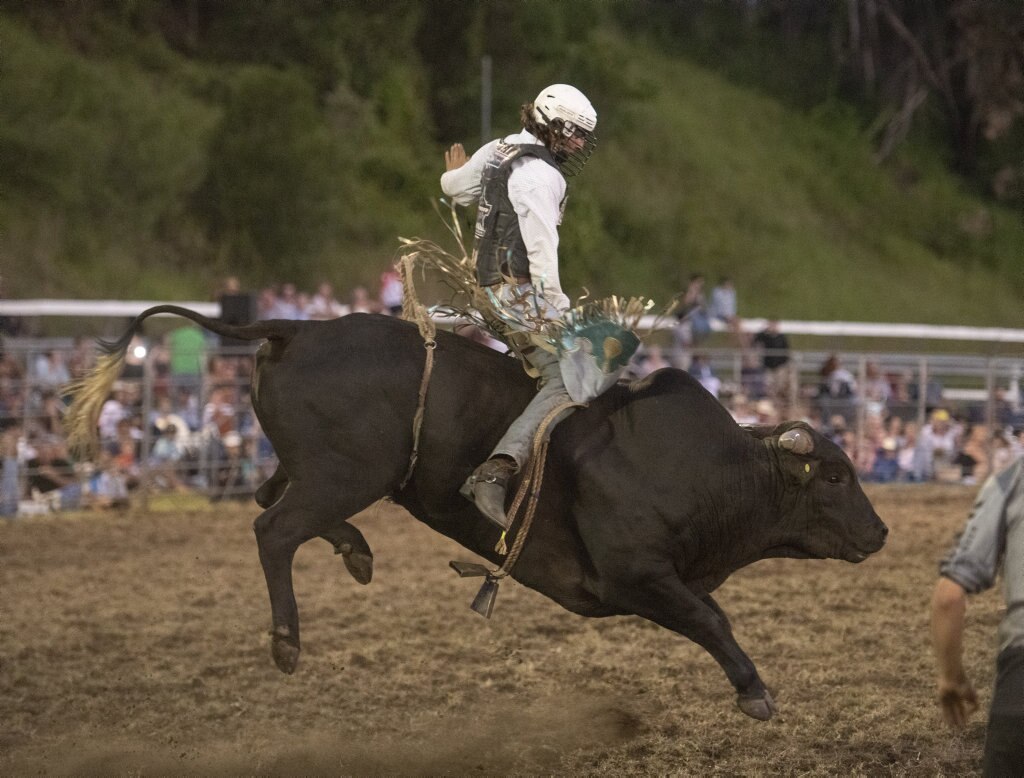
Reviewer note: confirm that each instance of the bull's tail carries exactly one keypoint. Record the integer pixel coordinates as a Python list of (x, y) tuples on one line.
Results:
[(91, 391)]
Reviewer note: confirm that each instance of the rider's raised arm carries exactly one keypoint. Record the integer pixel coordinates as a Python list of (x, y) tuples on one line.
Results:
[(462, 184)]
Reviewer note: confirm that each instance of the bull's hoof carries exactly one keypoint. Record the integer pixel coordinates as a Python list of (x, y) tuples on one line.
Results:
[(359, 564), (760, 708), (284, 649)]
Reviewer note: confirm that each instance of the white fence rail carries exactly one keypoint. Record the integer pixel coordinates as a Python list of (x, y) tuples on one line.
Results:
[(131, 308)]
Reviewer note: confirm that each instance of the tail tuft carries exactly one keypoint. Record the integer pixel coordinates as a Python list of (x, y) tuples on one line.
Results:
[(89, 393)]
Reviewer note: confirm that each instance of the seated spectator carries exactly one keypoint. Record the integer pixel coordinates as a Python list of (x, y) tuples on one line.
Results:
[(886, 466), (286, 304), (907, 452), (752, 376), (700, 368), (392, 291), (124, 453), (51, 414), (836, 381), (741, 409), (163, 416), (973, 457), (49, 371), (835, 430), (10, 487), (837, 390), (219, 411), (361, 302), (166, 457), (82, 357), (1003, 452), (232, 475), (894, 428), (936, 446), (876, 390), (50, 472), (108, 486), (766, 412), (324, 305), (649, 360)]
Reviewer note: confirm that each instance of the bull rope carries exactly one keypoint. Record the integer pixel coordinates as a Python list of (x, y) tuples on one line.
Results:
[(483, 603), (413, 310), (533, 477)]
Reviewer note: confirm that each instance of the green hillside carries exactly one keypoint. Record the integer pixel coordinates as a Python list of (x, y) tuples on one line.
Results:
[(123, 147)]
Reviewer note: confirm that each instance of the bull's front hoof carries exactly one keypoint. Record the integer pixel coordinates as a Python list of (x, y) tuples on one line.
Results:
[(284, 649), (360, 565), (760, 708)]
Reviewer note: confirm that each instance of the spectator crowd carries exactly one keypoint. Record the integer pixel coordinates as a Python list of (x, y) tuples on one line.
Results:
[(180, 417)]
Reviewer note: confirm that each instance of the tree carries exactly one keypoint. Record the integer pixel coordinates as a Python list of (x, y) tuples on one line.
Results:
[(268, 194)]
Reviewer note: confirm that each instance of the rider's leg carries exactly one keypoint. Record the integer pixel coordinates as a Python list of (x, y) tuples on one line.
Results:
[(488, 484)]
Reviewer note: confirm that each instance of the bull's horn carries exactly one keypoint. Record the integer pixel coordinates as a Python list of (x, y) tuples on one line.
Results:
[(796, 440)]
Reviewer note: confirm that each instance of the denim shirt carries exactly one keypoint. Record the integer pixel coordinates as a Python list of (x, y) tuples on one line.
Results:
[(992, 540)]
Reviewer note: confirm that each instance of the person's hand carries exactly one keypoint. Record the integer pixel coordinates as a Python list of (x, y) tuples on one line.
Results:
[(455, 157), (958, 701)]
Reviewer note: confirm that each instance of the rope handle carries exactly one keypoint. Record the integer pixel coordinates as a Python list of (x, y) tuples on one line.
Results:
[(534, 475)]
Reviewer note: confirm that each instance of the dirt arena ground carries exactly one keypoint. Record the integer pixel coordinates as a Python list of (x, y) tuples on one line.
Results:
[(136, 645)]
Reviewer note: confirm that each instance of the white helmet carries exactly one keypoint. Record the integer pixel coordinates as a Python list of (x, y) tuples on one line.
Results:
[(568, 112)]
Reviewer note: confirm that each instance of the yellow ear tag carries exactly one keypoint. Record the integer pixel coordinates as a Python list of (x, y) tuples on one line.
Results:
[(807, 468)]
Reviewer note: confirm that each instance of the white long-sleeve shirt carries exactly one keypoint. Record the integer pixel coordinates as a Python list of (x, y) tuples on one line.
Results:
[(537, 192)]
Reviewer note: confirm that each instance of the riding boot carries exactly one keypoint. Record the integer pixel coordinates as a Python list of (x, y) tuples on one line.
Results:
[(486, 488)]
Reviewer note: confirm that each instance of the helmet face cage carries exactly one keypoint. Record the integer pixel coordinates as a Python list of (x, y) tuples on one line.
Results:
[(567, 150), (570, 119)]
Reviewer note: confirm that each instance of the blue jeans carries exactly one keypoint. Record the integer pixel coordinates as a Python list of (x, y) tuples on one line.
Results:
[(530, 309), (9, 488), (518, 440)]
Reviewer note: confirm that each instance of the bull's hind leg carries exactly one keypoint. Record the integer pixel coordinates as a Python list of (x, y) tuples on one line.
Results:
[(355, 551), (346, 539), (272, 489), (298, 516)]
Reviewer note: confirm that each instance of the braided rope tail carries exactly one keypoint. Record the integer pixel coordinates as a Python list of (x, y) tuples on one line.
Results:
[(414, 310)]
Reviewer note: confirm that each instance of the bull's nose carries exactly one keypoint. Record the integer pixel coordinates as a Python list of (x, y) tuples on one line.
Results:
[(883, 532)]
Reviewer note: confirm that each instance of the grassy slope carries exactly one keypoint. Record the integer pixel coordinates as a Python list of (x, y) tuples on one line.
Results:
[(693, 173), (794, 209)]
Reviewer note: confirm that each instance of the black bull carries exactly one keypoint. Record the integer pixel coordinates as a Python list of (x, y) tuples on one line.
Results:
[(652, 496)]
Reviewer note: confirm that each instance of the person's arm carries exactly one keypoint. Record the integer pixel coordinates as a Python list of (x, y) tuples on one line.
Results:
[(956, 695), (536, 193), (970, 568), (461, 179)]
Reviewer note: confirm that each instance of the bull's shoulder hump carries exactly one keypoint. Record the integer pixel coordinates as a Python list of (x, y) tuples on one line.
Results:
[(667, 380)]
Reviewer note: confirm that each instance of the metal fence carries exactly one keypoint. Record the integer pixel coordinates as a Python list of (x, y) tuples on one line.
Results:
[(197, 432)]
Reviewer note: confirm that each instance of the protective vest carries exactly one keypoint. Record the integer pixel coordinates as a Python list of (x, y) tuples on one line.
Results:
[(500, 250)]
